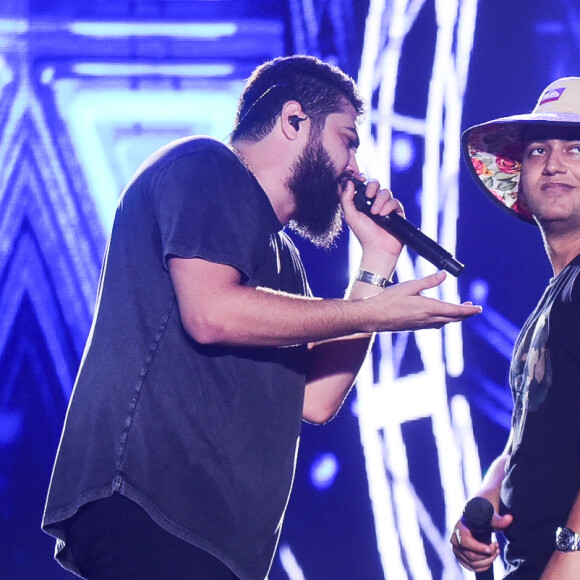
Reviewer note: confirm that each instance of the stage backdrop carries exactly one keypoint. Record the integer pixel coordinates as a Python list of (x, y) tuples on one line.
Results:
[(88, 90)]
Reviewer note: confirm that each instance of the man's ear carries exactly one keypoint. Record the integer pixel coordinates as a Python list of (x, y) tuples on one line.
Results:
[(290, 119)]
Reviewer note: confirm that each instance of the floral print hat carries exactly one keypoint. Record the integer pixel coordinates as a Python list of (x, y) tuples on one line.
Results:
[(494, 149)]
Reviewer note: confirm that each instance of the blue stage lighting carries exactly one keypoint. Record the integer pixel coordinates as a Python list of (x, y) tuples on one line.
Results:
[(324, 470), (403, 152)]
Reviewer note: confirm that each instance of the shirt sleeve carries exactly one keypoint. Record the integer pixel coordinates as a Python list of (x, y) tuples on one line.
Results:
[(209, 207)]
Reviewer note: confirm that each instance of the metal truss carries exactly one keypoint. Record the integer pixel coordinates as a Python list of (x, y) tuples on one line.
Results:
[(388, 399), (325, 28)]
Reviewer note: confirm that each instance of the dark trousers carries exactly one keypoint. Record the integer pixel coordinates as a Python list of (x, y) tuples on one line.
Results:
[(115, 539)]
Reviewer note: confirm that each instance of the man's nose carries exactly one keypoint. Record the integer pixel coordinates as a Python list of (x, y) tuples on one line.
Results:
[(555, 162), (352, 166)]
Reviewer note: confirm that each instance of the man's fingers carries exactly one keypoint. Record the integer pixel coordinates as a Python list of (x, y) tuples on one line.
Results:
[(433, 280), (473, 560), (470, 553), (448, 311)]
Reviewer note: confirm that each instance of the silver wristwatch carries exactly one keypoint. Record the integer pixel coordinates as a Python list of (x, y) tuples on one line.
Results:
[(567, 540)]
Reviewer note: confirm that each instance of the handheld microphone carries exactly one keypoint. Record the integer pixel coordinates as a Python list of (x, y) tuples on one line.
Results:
[(477, 516), (407, 233)]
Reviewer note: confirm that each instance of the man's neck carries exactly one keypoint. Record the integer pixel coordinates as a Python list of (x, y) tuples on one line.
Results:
[(562, 248), (270, 166)]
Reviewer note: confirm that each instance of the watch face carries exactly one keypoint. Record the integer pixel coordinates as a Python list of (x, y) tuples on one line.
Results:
[(564, 539)]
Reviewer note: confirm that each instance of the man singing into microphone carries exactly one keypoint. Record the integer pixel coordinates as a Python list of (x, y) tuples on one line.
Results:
[(207, 348), (530, 164)]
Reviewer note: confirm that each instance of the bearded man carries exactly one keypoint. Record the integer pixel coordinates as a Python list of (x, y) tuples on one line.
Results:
[(207, 349)]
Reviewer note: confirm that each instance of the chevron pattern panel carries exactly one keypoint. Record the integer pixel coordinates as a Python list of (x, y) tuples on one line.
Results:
[(51, 246), (75, 124)]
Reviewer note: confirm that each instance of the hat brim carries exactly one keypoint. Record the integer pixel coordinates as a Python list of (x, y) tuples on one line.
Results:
[(493, 152)]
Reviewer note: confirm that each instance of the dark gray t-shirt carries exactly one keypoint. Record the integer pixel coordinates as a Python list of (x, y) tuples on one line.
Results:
[(543, 474), (202, 437)]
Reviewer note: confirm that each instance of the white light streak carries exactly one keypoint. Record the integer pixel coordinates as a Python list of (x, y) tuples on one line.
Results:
[(384, 407), (289, 563), (146, 69), (13, 26), (204, 30)]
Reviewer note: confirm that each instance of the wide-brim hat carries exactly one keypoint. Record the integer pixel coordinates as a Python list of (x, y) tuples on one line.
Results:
[(493, 150)]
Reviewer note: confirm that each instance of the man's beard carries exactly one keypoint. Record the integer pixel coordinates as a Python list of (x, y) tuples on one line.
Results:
[(314, 184)]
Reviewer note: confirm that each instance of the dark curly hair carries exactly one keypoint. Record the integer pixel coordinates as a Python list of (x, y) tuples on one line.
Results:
[(320, 88)]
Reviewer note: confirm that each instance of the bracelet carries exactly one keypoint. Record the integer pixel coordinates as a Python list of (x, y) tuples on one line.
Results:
[(374, 279)]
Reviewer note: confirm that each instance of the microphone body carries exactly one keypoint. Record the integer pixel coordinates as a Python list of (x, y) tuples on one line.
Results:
[(477, 516), (408, 234)]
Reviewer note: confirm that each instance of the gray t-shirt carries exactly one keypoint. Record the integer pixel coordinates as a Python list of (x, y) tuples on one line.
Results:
[(202, 437), (543, 473)]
